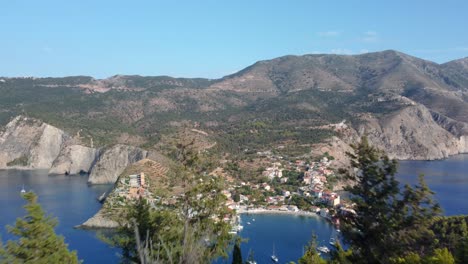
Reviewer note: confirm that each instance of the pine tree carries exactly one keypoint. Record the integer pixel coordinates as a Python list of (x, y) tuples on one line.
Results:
[(340, 256), (311, 255), (37, 241), (138, 212), (374, 194), (388, 222), (461, 252), (440, 256), (419, 211)]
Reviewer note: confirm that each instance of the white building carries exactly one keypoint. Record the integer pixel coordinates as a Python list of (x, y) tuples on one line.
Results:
[(324, 212)]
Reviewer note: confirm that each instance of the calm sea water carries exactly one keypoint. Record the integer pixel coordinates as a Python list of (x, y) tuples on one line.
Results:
[(287, 234), (72, 201), (68, 198), (447, 178)]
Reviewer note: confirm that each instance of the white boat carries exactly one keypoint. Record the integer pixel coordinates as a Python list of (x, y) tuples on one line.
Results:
[(323, 249), (274, 258), (23, 190), (248, 223), (332, 241)]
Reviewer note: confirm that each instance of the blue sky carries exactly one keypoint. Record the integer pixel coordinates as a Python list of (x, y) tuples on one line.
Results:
[(215, 38)]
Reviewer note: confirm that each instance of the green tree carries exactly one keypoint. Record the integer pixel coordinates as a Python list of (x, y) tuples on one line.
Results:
[(191, 230), (137, 212), (311, 255), (461, 251), (388, 222), (236, 197), (38, 242), (375, 195), (440, 256), (340, 256), (418, 211), (237, 253), (409, 258)]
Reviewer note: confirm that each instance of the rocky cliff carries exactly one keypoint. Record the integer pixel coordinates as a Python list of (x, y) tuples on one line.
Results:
[(99, 220), (413, 133), (74, 159), (32, 144), (113, 162)]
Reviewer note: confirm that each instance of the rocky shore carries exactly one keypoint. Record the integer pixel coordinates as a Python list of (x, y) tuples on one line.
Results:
[(99, 220), (28, 143)]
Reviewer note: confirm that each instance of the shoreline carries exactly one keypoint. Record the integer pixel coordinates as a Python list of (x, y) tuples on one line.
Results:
[(23, 168), (267, 211)]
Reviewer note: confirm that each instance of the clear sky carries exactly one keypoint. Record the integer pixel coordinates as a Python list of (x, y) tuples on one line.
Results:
[(214, 38)]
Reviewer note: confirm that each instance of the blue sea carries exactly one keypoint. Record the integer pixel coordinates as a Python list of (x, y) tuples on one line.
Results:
[(68, 198), (447, 178), (72, 201)]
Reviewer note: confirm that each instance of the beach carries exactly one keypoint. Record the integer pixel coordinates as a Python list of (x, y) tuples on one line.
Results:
[(275, 211)]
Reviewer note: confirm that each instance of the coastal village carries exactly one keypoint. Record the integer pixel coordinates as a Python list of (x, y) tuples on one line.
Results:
[(299, 187), (286, 187)]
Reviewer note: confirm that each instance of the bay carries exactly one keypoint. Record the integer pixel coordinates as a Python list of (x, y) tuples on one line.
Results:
[(72, 201), (68, 198), (447, 178)]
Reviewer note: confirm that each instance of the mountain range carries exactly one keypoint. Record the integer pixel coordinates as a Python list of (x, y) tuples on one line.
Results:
[(410, 107)]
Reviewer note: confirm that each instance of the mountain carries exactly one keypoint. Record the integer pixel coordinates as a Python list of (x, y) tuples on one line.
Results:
[(292, 101)]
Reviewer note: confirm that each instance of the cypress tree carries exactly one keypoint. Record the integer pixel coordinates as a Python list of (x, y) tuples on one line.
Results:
[(237, 254), (37, 241)]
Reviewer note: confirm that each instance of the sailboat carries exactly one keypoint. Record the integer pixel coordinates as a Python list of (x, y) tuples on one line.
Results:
[(23, 190), (274, 258)]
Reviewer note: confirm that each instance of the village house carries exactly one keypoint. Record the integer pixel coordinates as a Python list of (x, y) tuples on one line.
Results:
[(324, 212), (317, 193), (331, 198), (274, 171), (243, 198)]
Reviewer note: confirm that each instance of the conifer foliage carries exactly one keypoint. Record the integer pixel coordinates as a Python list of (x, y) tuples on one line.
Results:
[(390, 221), (37, 243)]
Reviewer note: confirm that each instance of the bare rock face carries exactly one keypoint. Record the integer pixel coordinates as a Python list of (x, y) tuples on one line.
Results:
[(412, 133), (113, 162), (74, 159), (46, 150), (99, 220), (30, 143)]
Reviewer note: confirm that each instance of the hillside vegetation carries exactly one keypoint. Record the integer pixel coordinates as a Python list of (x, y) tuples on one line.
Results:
[(288, 99)]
